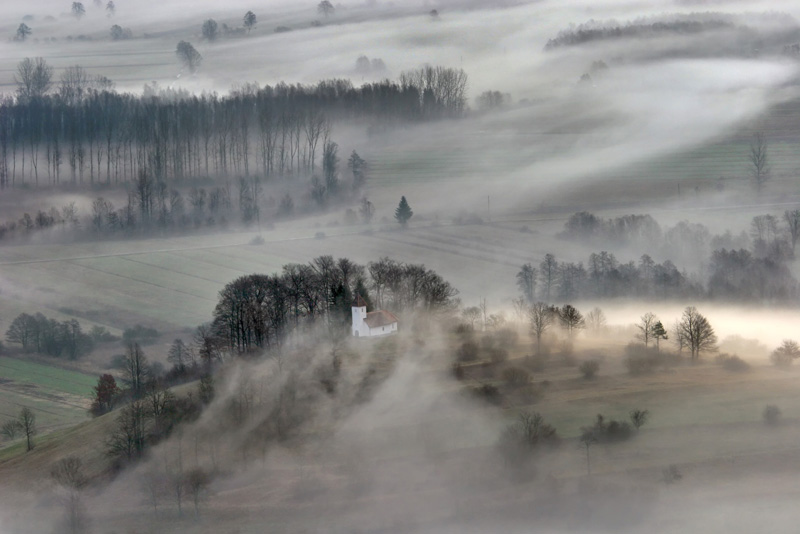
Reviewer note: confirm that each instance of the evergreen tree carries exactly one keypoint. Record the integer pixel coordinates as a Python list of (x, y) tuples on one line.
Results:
[(403, 212)]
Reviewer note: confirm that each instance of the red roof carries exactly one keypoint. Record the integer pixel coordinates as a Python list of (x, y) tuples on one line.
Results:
[(380, 318), (358, 302)]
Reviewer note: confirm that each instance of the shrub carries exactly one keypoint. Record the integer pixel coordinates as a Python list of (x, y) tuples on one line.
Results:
[(609, 431), (498, 355), (458, 371), (771, 414), (589, 369), (671, 474), (467, 352), (786, 353), (640, 359), (732, 363), (489, 393), (516, 376), (506, 338)]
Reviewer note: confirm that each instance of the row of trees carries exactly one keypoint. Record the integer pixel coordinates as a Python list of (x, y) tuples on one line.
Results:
[(603, 276), (259, 311), (275, 131), (734, 275), (37, 333)]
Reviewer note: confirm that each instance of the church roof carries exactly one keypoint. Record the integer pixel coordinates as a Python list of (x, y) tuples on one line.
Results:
[(358, 302), (380, 318)]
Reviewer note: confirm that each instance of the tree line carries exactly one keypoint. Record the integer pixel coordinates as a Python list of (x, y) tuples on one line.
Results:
[(87, 133), (260, 311), (37, 333)]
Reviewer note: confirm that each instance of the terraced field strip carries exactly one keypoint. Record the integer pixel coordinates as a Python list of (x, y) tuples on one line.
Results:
[(46, 376)]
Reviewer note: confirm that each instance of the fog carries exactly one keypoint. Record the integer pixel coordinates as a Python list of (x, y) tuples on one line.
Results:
[(405, 434)]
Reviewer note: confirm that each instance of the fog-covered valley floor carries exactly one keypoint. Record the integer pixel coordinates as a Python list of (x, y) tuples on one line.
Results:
[(605, 159)]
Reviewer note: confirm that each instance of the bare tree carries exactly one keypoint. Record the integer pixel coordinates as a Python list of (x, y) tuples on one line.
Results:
[(27, 422), (792, 219), (68, 474), (249, 21), (78, 11), (548, 271), (210, 30), (639, 418), (136, 371), (645, 327), (596, 320), (571, 319), (197, 481), (784, 355), (34, 78), (325, 8), (697, 332), (540, 316), (526, 282), (472, 314), (758, 160)]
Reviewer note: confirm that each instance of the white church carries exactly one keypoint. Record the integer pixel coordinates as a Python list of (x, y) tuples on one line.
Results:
[(372, 324)]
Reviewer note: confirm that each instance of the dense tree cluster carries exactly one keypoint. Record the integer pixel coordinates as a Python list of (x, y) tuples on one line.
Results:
[(259, 311), (586, 33), (37, 333), (603, 276), (103, 136)]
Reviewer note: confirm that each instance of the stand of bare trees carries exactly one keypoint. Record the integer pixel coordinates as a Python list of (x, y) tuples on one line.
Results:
[(86, 133), (259, 311)]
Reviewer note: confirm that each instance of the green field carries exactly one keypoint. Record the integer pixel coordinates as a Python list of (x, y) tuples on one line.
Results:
[(59, 398)]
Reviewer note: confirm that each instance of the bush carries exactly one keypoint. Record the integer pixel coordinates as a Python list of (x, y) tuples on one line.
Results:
[(771, 414), (140, 334), (506, 338), (467, 352), (671, 474), (516, 376), (640, 359), (589, 369), (498, 355), (489, 393), (786, 353), (732, 363), (609, 431)]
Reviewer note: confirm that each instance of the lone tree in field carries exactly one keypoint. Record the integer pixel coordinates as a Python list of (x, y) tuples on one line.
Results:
[(540, 316), (325, 8), (784, 355), (210, 30), (27, 423), (249, 21), (759, 169), (23, 31), (695, 332), (639, 418), (188, 56), (111, 8), (78, 11), (596, 320), (645, 327), (34, 78), (587, 439), (403, 212)]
